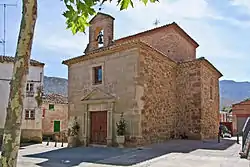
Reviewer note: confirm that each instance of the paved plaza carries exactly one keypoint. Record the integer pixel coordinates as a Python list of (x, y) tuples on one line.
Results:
[(176, 153)]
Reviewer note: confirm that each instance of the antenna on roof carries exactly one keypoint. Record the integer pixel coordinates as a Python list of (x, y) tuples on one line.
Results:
[(3, 41), (156, 22)]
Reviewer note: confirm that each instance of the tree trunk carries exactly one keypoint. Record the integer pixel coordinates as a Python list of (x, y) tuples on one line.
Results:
[(12, 127)]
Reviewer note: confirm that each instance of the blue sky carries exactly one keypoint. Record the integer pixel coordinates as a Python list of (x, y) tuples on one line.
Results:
[(221, 27)]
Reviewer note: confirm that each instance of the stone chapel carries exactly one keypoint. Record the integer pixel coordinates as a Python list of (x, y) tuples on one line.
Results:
[(153, 77)]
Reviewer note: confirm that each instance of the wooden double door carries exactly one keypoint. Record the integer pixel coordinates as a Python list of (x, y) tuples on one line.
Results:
[(98, 134)]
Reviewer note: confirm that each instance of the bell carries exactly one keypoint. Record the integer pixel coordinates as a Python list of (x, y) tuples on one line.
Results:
[(100, 41), (100, 38)]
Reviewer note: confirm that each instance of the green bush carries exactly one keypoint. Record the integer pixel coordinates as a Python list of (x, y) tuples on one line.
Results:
[(121, 126)]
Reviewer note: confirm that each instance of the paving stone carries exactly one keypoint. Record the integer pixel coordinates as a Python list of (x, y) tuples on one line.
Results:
[(184, 153)]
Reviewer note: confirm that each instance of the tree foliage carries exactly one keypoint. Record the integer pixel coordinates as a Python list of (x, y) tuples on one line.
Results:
[(79, 11)]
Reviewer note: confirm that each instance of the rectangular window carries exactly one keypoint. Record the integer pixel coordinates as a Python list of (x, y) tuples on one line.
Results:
[(97, 75), (30, 90), (211, 89), (29, 114), (51, 107), (30, 87), (211, 92)]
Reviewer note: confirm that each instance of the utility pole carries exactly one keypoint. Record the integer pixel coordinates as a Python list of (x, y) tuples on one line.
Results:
[(3, 41)]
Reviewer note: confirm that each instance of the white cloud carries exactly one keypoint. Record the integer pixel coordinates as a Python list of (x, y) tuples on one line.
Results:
[(166, 8), (242, 3), (190, 15), (61, 40)]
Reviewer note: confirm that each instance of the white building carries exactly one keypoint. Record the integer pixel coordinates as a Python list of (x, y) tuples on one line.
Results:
[(32, 114)]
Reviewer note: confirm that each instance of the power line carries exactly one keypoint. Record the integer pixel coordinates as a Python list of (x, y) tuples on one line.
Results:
[(3, 41)]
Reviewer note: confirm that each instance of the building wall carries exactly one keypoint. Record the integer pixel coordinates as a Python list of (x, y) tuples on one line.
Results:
[(29, 102), (240, 112), (210, 105), (158, 79), (196, 112), (188, 94), (171, 43), (60, 113), (119, 73)]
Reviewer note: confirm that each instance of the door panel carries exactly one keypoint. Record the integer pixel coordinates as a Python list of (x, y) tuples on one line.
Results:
[(57, 126), (98, 127)]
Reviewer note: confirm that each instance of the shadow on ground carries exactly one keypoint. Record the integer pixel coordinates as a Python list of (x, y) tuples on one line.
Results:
[(22, 145), (67, 157)]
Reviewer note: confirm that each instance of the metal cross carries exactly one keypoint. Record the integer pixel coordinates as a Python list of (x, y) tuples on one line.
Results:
[(156, 22)]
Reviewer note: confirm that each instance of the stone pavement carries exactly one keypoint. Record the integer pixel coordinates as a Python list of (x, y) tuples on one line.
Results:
[(176, 153)]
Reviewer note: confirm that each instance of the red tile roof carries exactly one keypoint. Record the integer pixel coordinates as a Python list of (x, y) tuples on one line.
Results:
[(55, 99)]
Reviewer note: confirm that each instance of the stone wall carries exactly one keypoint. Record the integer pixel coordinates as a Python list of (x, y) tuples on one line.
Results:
[(209, 101), (31, 135), (189, 100), (27, 135), (158, 77), (170, 42)]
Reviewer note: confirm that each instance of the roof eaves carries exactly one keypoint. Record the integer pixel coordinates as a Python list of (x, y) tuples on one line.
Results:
[(11, 59)]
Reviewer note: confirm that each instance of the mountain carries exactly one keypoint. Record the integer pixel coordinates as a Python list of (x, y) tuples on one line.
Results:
[(233, 92), (55, 85), (230, 91)]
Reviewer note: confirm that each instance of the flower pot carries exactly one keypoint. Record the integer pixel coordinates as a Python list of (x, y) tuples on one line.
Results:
[(72, 141), (120, 140)]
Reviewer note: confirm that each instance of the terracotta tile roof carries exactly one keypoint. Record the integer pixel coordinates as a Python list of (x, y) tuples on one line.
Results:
[(12, 59), (55, 99)]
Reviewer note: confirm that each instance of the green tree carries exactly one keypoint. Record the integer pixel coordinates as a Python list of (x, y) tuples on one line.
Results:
[(77, 15), (78, 11)]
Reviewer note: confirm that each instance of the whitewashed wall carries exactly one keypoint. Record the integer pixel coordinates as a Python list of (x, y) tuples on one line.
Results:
[(29, 102)]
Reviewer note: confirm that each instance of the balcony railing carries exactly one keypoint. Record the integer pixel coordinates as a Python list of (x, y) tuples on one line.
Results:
[(30, 94)]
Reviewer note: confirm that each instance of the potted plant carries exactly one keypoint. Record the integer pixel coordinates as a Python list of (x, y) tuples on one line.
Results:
[(121, 128), (73, 134)]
